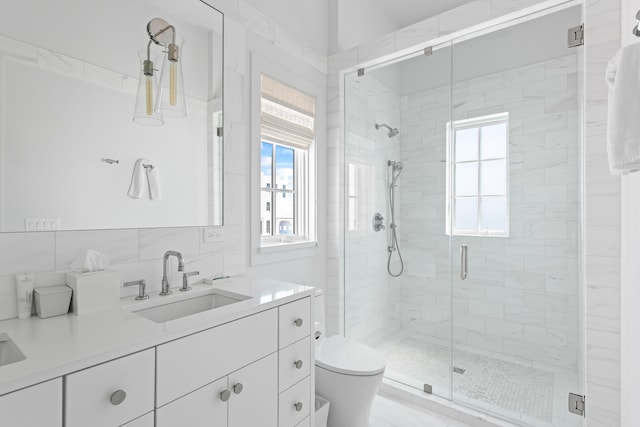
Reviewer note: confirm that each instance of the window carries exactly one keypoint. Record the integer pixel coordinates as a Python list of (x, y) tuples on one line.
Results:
[(287, 128), (478, 176)]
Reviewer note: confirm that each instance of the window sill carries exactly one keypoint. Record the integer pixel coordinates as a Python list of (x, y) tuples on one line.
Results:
[(267, 248)]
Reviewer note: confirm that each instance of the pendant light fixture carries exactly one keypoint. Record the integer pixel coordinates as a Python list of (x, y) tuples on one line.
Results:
[(166, 97)]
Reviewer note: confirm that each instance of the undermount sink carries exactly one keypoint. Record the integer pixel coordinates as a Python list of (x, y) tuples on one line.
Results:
[(188, 306), (9, 351)]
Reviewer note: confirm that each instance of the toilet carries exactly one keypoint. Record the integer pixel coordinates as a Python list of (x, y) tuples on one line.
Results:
[(348, 374)]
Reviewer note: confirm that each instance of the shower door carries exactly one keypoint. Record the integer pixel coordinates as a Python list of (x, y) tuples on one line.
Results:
[(514, 202), (478, 144), (397, 290)]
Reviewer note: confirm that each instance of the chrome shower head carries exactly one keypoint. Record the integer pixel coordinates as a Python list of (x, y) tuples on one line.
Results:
[(392, 131)]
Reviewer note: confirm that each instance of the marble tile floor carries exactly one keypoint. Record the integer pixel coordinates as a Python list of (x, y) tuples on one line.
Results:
[(526, 394), (389, 412)]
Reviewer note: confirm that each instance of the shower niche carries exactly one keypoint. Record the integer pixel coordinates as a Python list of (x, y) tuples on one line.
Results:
[(473, 156)]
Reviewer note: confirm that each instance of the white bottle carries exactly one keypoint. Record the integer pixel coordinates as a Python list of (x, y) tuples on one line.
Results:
[(24, 294)]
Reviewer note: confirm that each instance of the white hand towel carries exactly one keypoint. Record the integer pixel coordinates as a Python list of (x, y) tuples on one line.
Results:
[(153, 180), (138, 180), (623, 126)]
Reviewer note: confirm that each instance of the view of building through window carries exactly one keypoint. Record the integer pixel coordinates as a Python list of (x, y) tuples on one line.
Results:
[(278, 189)]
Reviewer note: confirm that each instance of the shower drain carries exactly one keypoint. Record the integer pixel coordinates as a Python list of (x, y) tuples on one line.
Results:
[(458, 370)]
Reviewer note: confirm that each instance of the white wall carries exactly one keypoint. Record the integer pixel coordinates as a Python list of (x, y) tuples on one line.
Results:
[(138, 253), (630, 291)]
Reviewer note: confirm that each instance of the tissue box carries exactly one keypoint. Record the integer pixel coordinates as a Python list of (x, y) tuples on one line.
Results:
[(52, 300), (94, 291)]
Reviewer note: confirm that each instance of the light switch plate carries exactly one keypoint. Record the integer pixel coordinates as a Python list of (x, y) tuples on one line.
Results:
[(213, 234)]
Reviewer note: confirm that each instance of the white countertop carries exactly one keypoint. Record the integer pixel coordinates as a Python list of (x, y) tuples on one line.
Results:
[(60, 345)]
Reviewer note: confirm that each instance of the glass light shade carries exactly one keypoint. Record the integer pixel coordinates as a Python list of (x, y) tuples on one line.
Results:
[(145, 113), (171, 100)]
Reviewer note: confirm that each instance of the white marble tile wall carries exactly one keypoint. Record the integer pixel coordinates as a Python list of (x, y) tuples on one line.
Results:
[(521, 296), (370, 316), (603, 197), (138, 253), (602, 192)]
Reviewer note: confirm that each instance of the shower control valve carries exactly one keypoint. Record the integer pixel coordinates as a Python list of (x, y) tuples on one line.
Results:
[(378, 222)]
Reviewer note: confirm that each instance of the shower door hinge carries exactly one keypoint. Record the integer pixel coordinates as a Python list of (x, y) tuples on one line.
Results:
[(428, 388), (577, 404), (428, 51), (575, 36), (219, 132), (360, 72)]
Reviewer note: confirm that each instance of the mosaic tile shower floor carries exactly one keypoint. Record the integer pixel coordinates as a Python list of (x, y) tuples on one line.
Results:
[(514, 388)]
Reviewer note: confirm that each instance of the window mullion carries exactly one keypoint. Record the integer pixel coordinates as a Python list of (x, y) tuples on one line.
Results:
[(273, 185)]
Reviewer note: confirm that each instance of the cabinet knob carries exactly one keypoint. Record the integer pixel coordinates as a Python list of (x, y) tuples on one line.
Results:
[(298, 322), (237, 389), (298, 406), (298, 364), (117, 397), (225, 395)]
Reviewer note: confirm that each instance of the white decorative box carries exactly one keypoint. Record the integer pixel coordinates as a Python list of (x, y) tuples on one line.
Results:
[(94, 291), (52, 300)]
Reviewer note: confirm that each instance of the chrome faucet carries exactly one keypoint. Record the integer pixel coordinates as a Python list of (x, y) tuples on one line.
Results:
[(166, 289)]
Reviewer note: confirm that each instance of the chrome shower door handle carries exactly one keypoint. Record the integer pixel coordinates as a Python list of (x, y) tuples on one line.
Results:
[(463, 262)]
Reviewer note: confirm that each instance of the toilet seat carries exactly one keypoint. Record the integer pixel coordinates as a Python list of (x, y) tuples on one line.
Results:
[(343, 356)]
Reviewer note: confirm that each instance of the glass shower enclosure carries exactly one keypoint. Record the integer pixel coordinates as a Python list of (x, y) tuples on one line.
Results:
[(463, 218)]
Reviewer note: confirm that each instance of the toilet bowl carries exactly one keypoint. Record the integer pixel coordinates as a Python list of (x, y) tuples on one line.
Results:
[(348, 374)]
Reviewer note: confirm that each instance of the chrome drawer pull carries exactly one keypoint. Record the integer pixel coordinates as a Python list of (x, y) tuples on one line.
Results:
[(298, 364), (298, 406), (237, 389), (298, 322), (225, 395), (117, 397)]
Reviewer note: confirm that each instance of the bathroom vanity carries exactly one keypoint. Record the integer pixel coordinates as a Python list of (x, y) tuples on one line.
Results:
[(243, 364)]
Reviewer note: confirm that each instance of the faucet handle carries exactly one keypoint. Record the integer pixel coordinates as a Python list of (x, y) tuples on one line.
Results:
[(185, 281), (142, 286)]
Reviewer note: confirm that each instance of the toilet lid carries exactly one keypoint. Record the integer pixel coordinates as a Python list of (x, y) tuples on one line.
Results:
[(341, 355)]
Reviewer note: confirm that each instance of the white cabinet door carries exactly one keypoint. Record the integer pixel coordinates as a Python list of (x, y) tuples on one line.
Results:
[(254, 394), (40, 405), (204, 407), (191, 362)]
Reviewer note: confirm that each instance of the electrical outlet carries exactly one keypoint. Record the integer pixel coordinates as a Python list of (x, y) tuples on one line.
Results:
[(213, 234)]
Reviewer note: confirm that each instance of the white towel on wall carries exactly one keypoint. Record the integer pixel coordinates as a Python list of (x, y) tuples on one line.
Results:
[(153, 181), (138, 180), (623, 126)]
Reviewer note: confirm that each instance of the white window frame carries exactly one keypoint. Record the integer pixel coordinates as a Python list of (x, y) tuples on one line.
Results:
[(475, 122), (312, 82)]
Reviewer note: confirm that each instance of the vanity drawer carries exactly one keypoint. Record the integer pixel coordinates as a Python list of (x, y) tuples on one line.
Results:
[(294, 321), (294, 363), (112, 393), (191, 362), (294, 404)]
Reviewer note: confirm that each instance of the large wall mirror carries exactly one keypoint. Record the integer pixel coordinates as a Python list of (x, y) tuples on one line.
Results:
[(72, 74)]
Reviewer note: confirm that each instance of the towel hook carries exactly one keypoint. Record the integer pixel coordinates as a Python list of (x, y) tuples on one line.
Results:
[(111, 161), (636, 28), (148, 166)]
